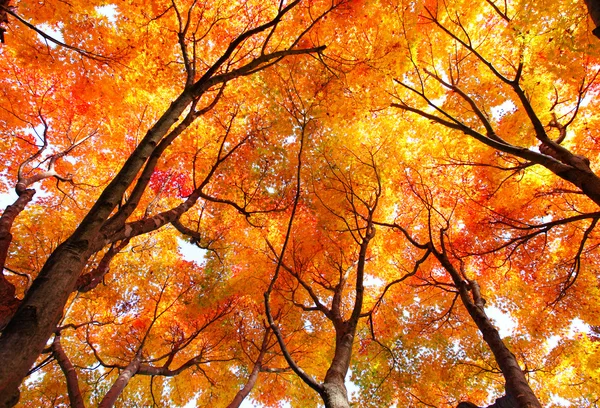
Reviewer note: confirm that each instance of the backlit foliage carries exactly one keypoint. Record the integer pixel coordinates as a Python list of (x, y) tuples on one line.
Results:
[(430, 124)]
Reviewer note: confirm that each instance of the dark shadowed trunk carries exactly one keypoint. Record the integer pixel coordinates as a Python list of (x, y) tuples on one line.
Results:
[(8, 302), (594, 11), (35, 320), (505, 401), (516, 383)]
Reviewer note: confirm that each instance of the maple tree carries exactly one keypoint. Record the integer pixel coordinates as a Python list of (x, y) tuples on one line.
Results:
[(367, 181)]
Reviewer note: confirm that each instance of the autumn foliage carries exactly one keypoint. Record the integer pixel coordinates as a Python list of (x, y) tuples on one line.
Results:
[(314, 202)]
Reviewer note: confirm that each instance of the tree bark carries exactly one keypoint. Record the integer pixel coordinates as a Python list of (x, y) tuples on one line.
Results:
[(119, 385), (8, 302), (335, 394), (70, 374), (245, 391), (516, 383), (506, 401), (594, 11), (37, 317)]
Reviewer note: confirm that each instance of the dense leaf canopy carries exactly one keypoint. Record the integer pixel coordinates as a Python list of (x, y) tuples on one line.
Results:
[(367, 202)]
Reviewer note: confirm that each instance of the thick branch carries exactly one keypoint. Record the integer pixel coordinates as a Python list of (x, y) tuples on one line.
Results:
[(68, 369), (119, 385), (256, 369)]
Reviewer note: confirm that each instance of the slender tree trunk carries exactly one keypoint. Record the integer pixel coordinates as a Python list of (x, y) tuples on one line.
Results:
[(245, 391), (516, 383), (119, 385), (70, 374)]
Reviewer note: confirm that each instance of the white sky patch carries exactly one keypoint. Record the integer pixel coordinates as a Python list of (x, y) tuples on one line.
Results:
[(503, 321), (308, 326), (52, 32), (191, 252), (10, 196), (109, 11), (7, 199), (499, 111), (437, 102), (561, 401), (578, 326), (371, 280), (289, 140), (552, 342)]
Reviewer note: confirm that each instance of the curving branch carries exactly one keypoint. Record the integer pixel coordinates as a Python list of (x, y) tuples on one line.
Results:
[(68, 369), (6, 9), (471, 297), (312, 383), (567, 165)]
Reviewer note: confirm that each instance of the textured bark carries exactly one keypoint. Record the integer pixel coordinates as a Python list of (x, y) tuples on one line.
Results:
[(335, 394), (89, 281), (594, 11), (37, 317), (505, 401), (516, 383), (70, 373), (119, 385), (8, 302)]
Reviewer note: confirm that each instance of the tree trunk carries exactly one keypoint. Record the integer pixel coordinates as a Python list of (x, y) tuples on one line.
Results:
[(594, 11), (117, 388), (335, 394), (245, 391), (506, 401), (25, 336), (70, 374), (516, 383), (8, 302)]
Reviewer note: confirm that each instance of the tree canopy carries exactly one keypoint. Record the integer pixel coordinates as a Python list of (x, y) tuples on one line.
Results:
[(315, 202)]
